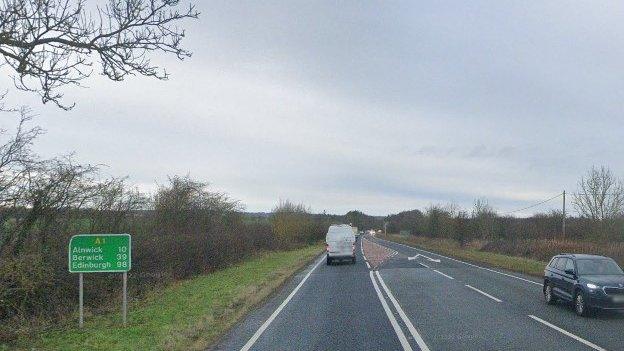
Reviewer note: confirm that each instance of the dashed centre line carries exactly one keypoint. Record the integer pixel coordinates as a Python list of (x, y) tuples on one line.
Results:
[(567, 333), (446, 275), (484, 293)]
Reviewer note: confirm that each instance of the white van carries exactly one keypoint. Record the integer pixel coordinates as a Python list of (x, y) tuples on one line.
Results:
[(340, 243)]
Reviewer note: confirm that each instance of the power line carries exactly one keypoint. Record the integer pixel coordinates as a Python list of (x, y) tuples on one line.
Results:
[(534, 205), (605, 194)]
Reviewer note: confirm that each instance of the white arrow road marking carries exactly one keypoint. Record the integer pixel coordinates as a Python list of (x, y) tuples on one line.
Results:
[(429, 258)]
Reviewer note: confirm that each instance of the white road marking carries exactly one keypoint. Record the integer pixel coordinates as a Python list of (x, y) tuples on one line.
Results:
[(408, 323), (393, 321), (266, 324), (577, 338), (424, 265), (446, 275), (367, 265), (429, 258), (466, 263), (484, 293), (362, 249)]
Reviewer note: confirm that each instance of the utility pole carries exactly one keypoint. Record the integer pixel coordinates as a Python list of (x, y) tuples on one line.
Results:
[(564, 216)]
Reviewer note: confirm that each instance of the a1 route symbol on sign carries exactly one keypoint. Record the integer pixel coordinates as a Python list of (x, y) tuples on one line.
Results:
[(93, 253)]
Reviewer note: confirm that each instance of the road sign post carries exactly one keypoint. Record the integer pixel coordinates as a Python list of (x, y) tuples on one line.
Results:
[(81, 300), (124, 308), (100, 253)]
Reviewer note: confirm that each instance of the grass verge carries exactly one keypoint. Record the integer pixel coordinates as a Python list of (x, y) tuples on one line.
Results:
[(452, 248), (188, 315)]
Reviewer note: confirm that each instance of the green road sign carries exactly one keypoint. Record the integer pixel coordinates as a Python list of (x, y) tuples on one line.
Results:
[(92, 253)]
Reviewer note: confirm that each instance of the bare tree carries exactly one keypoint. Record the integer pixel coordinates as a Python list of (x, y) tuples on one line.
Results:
[(484, 217), (54, 187), (461, 228), (600, 195), (440, 219), (482, 208), (188, 203), (54, 43), (112, 203), (17, 160)]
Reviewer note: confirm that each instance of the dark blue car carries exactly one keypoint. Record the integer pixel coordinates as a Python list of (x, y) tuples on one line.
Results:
[(591, 282)]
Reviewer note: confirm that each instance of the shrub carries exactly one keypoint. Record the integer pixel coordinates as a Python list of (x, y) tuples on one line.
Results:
[(293, 225)]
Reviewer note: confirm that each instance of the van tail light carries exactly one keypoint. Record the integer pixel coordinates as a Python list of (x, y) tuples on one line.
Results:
[(353, 247), (327, 247)]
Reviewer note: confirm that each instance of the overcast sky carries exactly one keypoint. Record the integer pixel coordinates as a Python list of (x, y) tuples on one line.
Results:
[(377, 106)]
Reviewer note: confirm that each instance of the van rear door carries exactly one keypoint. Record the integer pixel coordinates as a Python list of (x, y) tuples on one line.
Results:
[(340, 244), (341, 247)]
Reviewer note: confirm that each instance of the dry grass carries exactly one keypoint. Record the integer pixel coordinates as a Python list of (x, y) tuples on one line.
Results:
[(544, 249)]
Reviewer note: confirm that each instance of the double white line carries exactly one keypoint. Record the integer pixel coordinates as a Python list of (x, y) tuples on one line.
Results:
[(395, 325)]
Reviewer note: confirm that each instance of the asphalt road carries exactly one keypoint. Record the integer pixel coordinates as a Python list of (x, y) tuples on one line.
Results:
[(430, 302)]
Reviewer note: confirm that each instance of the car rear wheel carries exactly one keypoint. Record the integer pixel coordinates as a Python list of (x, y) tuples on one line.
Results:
[(329, 261), (580, 305), (353, 260), (548, 294)]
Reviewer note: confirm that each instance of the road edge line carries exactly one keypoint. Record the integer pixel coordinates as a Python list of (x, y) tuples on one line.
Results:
[(362, 249), (279, 309)]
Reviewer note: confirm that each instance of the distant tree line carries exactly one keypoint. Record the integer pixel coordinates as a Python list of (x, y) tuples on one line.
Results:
[(599, 216)]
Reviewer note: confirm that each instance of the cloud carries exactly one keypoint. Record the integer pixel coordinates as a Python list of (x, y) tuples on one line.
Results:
[(366, 106)]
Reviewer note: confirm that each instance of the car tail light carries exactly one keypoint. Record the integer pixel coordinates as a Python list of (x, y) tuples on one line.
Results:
[(327, 247), (353, 247)]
